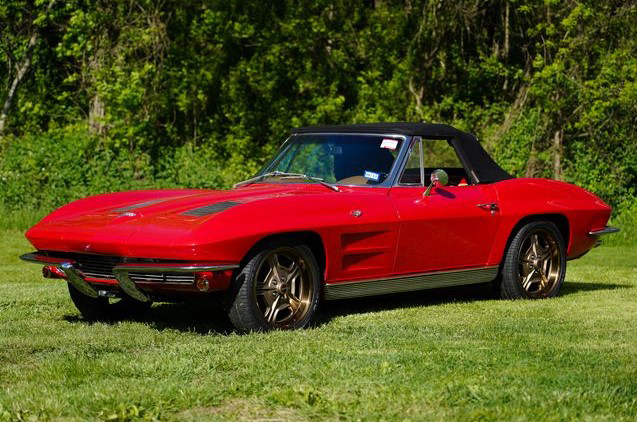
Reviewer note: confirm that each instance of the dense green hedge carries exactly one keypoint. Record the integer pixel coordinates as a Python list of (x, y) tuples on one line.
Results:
[(47, 170), (140, 94)]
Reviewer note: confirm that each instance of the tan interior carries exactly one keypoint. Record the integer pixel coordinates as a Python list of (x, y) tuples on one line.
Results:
[(353, 180)]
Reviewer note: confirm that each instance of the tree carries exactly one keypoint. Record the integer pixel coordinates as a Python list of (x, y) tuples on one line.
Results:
[(19, 39)]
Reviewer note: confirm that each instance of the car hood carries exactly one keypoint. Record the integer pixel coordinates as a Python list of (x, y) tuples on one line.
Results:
[(120, 223), (185, 203)]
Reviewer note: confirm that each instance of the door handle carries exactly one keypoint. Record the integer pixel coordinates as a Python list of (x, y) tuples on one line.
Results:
[(491, 206)]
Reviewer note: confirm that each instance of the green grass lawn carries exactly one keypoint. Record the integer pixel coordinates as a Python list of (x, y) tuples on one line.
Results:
[(445, 354)]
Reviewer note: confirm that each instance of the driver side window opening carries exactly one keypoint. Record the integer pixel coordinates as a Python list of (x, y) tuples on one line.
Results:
[(412, 175), (438, 154)]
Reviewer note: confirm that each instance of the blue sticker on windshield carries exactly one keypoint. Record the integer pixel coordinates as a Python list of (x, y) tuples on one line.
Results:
[(372, 176)]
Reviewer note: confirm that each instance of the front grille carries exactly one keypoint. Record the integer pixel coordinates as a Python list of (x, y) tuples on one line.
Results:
[(101, 266), (97, 266), (166, 277)]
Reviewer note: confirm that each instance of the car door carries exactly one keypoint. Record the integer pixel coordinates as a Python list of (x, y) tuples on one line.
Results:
[(454, 226)]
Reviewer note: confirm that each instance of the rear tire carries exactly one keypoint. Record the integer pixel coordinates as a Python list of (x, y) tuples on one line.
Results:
[(102, 309), (535, 263), (278, 288)]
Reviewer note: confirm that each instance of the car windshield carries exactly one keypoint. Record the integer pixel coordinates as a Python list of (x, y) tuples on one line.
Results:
[(340, 159)]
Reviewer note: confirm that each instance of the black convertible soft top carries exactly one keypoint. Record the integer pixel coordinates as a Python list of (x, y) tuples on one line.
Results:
[(477, 162)]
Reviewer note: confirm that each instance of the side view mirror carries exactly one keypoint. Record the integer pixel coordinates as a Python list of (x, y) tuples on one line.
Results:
[(439, 177)]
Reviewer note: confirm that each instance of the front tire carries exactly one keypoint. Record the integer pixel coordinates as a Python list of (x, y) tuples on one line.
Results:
[(105, 309), (535, 263), (278, 288)]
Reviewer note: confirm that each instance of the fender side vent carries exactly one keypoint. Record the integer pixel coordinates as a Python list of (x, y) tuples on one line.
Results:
[(211, 209)]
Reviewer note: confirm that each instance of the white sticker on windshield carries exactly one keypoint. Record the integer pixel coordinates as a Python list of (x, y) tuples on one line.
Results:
[(389, 144), (371, 175)]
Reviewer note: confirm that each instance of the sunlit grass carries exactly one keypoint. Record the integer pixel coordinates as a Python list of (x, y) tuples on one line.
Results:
[(446, 354)]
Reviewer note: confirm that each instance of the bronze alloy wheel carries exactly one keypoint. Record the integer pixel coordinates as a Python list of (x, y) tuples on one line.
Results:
[(534, 265), (283, 288), (539, 263), (278, 287)]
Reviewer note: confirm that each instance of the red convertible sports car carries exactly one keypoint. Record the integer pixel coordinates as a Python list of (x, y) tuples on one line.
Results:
[(340, 212)]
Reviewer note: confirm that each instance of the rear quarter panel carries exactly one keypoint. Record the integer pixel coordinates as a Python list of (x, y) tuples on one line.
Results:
[(523, 198)]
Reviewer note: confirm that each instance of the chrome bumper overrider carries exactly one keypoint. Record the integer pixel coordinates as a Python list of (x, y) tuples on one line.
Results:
[(73, 275), (605, 230), (121, 272)]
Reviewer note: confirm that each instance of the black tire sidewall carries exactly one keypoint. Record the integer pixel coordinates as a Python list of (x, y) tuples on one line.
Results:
[(244, 312), (510, 286)]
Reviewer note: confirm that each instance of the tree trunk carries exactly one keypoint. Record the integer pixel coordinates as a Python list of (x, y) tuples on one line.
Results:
[(22, 70), (558, 138), (96, 108), (506, 31), (531, 164), (96, 115)]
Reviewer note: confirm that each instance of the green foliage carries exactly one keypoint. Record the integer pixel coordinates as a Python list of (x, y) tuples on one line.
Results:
[(516, 150), (199, 94), (48, 169), (627, 220)]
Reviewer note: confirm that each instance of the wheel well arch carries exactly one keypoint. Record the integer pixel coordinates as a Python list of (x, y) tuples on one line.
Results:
[(310, 238), (559, 220)]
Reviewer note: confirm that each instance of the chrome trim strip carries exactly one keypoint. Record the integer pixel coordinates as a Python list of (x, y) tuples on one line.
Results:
[(153, 267), (73, 275), (36, 258), (128, 285), (350, 289), (421, 158), (605, 230)]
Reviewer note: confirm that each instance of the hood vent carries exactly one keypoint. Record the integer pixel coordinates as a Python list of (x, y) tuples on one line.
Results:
[(140, 205), (211, 209)]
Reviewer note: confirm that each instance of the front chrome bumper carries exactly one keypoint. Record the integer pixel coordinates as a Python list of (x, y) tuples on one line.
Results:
[(73, 275), (121, 272), (130, 288)]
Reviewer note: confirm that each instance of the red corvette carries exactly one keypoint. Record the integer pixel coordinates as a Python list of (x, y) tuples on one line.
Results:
[(340, 212)]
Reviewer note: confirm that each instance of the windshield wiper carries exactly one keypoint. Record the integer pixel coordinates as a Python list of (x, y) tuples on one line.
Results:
[(314, 179), (257, 178), (286, 175)]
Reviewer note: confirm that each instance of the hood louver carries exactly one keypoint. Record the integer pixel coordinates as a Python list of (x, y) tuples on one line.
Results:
[(211, 209), (140, 205)]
